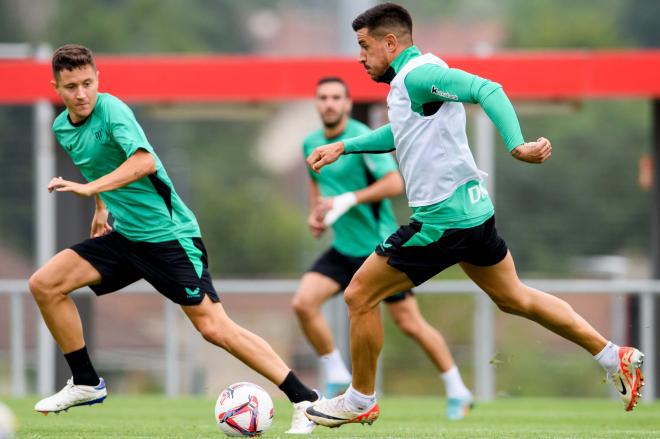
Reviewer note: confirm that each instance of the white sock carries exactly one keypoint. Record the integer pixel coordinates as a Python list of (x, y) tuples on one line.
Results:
[(334, 369), (356, 401), (608, 358), (454, 385)]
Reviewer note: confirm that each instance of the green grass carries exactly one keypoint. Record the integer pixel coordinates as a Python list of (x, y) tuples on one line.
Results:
[(157, 417)]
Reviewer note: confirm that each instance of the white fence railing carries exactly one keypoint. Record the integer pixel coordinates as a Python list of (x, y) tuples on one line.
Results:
[(483, 337)]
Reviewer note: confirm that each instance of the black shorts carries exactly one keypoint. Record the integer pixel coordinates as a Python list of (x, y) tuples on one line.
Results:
[(479, 245), (341, 269), (167, 265)]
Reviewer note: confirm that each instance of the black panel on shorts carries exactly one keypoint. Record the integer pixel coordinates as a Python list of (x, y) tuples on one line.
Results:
[(479, 245), (165, 265), (341, 269)]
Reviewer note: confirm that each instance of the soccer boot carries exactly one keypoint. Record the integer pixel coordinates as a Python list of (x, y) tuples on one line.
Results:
[(333, 413), (628, 378), (72, 395), (458, 408), (299, 422)]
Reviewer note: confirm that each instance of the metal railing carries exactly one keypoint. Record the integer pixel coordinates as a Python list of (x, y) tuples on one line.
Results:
[(483, 336)]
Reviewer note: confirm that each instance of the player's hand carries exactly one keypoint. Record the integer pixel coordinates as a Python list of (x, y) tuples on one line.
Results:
[(315, 221), (324, 155), (100, 224), (533, 152), (337, 206), (61, 185)]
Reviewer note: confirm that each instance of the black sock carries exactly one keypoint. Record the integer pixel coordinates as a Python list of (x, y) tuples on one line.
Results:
[(297, 391), (81, 367)]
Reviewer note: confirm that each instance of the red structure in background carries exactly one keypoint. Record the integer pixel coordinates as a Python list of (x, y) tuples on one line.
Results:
[(165, 79)]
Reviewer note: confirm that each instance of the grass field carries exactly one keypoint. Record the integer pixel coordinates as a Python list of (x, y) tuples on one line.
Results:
[(157, 417)]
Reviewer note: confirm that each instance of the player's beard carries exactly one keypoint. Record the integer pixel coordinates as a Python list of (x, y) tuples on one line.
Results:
[(330, 124)]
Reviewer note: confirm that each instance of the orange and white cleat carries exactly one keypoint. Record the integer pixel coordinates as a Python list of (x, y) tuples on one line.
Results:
[(628, 378), (333, 413)]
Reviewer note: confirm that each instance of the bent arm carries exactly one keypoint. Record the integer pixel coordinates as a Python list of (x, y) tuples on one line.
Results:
[(137, 166), (98, 203), (314, 194), (380, 140), (315, 217), (432, 83), (388, 186)]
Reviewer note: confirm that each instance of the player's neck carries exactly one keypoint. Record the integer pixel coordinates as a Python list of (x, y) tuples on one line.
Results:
[(335, 131)]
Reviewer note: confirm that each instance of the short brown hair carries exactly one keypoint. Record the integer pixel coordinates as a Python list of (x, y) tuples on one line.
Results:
[(71, 56), (337, 79), (383, 19)]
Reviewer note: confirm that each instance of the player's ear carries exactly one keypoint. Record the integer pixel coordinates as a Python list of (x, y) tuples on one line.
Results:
[(391, 42), (54, 84)]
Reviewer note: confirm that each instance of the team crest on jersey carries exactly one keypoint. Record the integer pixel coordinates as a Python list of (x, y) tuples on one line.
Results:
[(99, 135), (443, 94)]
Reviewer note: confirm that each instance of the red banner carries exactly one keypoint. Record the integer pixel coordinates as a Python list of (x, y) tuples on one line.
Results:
[(151, 79)]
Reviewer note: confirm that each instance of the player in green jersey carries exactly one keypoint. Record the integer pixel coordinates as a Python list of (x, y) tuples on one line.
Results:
[(155, 237), (453, 218), (351, 197)]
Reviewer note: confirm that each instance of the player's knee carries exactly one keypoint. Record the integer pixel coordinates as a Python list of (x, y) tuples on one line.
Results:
[(302, 307), (213, 334), (355, 298), (515, 304), (407, 326), (40, 287), (220, 335)]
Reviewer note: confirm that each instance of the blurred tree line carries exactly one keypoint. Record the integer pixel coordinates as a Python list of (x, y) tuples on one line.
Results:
[(253, 223)]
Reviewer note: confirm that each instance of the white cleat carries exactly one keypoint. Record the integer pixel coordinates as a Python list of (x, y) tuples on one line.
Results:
[(299, 422), (458, 408), (333, 413), (628, 379), (72, 395)]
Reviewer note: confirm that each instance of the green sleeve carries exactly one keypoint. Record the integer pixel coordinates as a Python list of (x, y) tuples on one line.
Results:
[(378, 141), (126, 131), (431, 83)]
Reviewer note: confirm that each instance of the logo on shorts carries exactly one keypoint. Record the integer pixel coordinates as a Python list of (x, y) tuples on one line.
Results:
[(192, 293), (386, 245)]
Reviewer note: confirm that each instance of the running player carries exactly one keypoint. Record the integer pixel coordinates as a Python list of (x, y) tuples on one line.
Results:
[(155, 237), (453, 217), (351, 197)]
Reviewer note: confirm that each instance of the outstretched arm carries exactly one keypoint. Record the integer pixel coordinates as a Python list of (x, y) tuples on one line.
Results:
[(137, 166), (433, 83), (380, 140), (388, 186)]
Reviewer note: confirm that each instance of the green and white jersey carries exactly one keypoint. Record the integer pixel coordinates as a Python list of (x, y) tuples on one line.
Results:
[(427, 130), (146, 210), (358, 231)]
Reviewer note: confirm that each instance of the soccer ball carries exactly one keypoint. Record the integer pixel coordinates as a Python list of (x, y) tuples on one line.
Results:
[(244, 409)]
